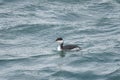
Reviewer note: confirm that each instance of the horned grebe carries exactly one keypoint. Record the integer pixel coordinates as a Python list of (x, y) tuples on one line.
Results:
[(61, 47)]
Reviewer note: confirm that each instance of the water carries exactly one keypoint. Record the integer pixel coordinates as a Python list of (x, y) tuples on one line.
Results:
[(28, 29)]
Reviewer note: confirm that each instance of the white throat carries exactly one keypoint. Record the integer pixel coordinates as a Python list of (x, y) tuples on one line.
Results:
[(59, 45), (59, 48)]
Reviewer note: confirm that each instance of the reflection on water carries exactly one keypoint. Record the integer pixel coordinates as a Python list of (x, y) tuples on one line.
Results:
[(62, 53)]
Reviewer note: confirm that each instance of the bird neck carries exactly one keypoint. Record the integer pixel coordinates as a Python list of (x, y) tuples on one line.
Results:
[(60, 47)]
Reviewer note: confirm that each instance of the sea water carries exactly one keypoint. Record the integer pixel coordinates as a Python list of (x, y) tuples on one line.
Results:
[(28, 29)]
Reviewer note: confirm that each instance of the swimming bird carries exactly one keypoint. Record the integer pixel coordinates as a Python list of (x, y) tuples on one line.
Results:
[(62, 47)]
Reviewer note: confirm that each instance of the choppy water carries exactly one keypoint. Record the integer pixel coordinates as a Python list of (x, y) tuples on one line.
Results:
[(28, 29)]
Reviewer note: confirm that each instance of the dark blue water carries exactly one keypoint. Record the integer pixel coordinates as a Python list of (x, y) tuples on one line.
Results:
[(28, 29)]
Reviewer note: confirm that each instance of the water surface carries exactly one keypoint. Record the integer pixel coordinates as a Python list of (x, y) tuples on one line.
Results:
[(28, 29)]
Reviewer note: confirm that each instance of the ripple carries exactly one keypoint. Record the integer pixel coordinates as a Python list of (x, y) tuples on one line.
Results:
[(70, 1), (101, 7), (71, 75), (114, 75)]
